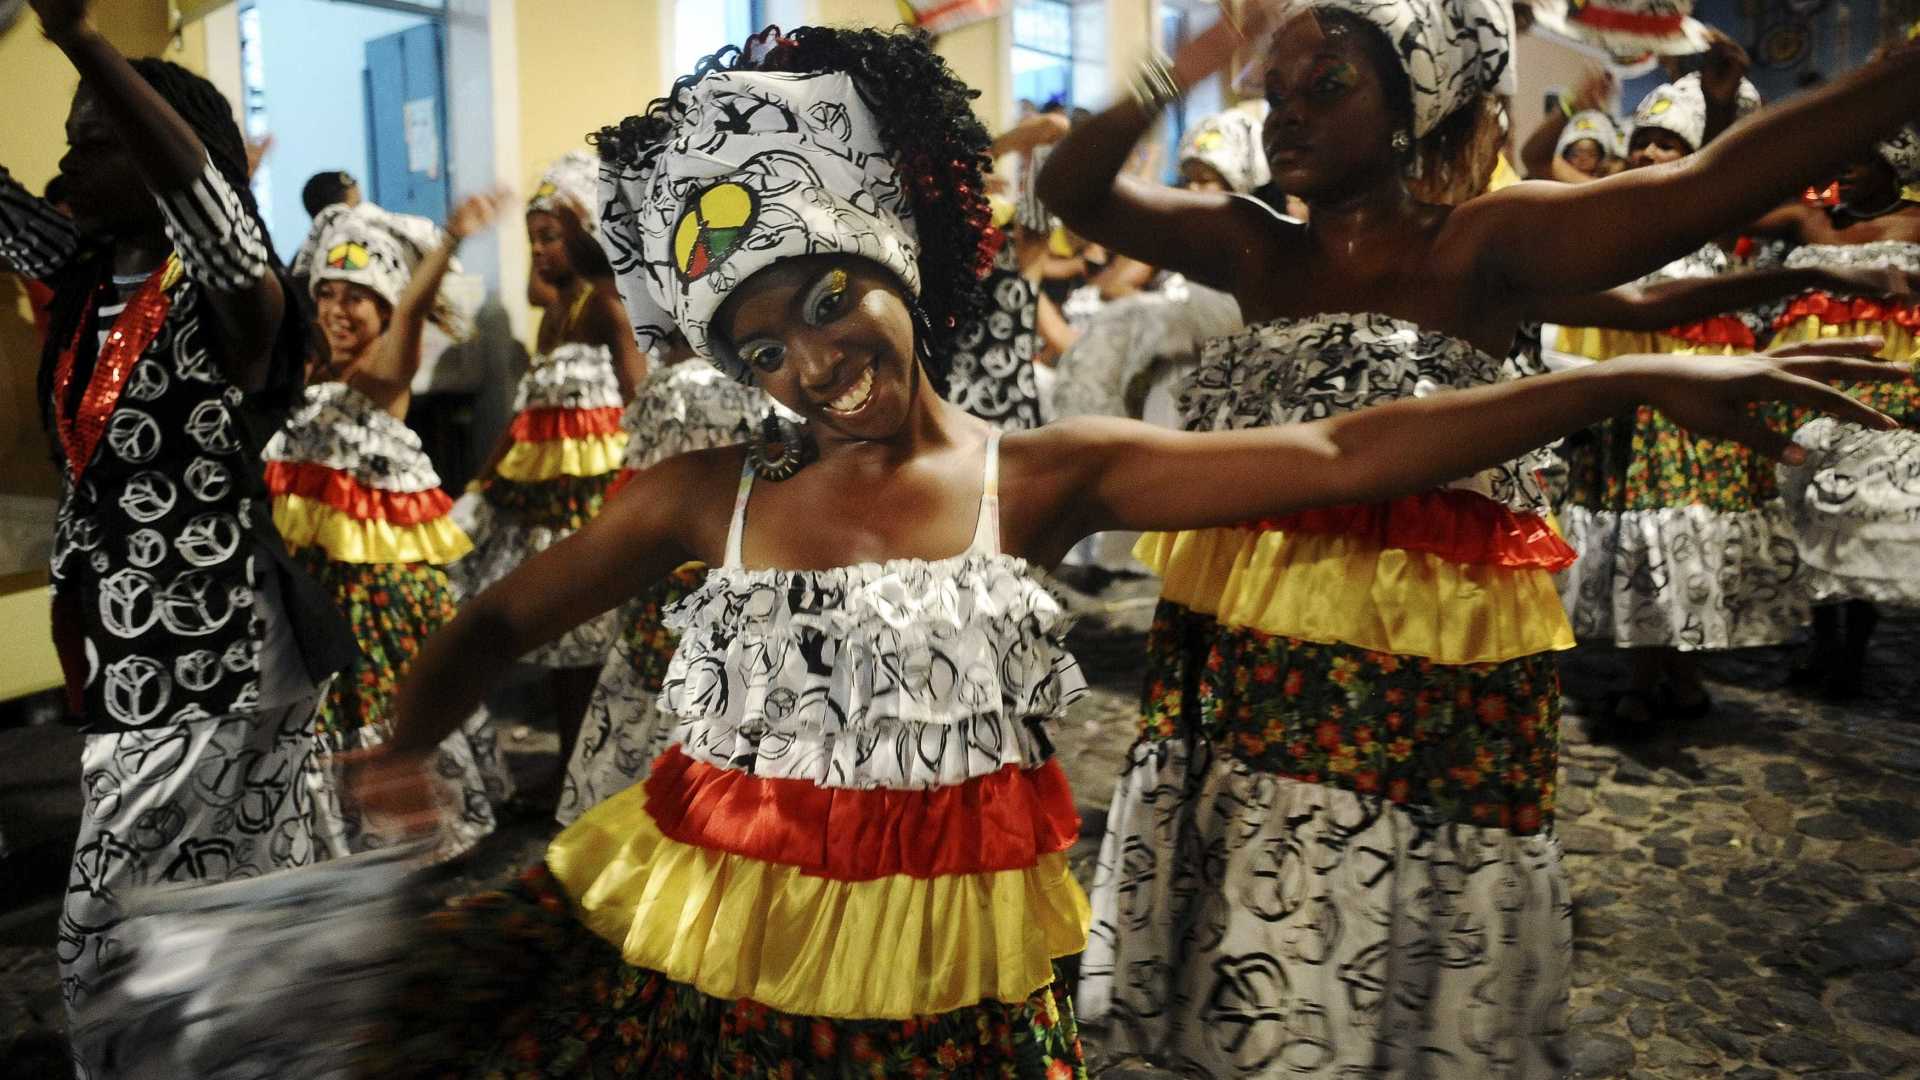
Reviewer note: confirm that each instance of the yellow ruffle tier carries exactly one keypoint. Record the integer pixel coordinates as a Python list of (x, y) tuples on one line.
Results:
[(1901, 347), (1597, 343), (305, 522), (889, 948), (588, 455), (1337, 589)]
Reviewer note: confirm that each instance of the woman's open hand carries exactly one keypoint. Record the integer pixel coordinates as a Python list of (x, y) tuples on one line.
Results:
[(1710, 395), (393, 789)]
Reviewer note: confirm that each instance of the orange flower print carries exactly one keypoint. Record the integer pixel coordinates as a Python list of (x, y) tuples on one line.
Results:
[(823, 1039)]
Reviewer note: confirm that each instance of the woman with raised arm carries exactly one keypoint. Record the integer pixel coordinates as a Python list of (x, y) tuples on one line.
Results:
[(359, 504), (551, 471), (851, 853), (1345, 775), (192, 645)]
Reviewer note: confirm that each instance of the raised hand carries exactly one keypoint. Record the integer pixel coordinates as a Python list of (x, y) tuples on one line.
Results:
[(393, 790), (1241, 24), (476, 213), (1595, 90), (1727, 64), (1710, 396), (62, 18)]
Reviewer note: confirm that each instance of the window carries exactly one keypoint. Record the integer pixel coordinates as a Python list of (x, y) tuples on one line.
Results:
[(1059, 52), (1181, 22), (702, 27)]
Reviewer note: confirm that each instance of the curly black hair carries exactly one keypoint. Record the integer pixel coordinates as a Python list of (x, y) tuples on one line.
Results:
[(926, 117)]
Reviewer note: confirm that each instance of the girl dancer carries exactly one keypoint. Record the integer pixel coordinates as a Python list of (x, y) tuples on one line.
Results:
[(851, 854), (359, 503), (192, 646), (1332, 848), (563, 448)]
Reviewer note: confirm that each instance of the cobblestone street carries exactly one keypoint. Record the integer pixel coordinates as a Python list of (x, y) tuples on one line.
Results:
[(1746, 902)]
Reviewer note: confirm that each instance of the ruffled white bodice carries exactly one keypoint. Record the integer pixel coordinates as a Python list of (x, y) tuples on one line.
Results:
[(341, 428), (1878, 255), (689, 406), (572, 376), (1288, 371), (903, 674)]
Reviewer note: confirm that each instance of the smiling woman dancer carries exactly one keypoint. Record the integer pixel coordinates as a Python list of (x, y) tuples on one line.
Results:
[(1332, 850), (359, 503), (851, 854)]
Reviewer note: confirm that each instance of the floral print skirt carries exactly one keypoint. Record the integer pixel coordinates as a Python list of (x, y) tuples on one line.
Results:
[(510, 985)]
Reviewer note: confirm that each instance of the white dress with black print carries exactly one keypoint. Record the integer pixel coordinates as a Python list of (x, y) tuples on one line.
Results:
[(992, 364)]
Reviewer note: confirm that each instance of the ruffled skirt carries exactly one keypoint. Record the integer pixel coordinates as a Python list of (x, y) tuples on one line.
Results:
[(392, 609), (1252, 925), (1684, 542), (1854, 506)]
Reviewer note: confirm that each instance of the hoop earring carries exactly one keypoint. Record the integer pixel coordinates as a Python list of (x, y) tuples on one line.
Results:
[(1402, 144), (780, 448)]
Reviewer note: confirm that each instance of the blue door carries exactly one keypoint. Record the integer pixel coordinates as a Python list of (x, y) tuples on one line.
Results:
[(407, 122)]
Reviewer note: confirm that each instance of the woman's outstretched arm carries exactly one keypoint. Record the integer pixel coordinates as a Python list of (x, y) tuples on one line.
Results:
[(1683, 300), (1119, 474), (1545, 239)]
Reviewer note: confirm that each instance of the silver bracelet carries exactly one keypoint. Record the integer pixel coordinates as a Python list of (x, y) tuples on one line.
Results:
[(1154, 87)]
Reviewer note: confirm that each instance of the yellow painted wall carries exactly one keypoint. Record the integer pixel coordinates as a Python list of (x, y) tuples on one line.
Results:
[(37, 84)]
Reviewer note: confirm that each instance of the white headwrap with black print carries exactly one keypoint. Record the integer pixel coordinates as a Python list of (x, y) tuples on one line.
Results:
[(377, 249), (1591, 124), (1229, 142), (1902, 152), (760, 167), (573, 177), (1681, 107), (1452, 50)]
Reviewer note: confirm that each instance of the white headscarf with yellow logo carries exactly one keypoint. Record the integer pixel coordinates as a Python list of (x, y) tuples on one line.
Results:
[(377, 249), (759, 167)]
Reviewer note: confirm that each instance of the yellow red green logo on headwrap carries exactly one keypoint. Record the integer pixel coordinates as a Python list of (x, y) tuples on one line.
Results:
[(712, 227), (348, 255)]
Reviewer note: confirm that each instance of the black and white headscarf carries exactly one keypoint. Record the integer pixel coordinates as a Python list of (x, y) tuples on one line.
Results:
[(759, 167), (1452, 50), (1229, 143), (378, 249)]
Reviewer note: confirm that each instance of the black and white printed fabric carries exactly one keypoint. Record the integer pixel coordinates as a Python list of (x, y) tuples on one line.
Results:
[(761, 167), (279, 976), (1681, 108), (1902, 154), (1452, 50), (990, 373), (195, 804), (573, 178), (1134, 341), (1855, 508)]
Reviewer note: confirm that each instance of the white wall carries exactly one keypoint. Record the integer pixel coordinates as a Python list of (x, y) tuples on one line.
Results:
[(314, 53)]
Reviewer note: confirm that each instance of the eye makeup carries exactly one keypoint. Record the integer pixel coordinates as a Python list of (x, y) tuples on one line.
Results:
[(826, 297)]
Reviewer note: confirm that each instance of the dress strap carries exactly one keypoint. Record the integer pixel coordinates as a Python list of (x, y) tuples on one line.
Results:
[(738, 525), (986, 530)]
